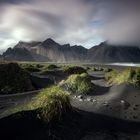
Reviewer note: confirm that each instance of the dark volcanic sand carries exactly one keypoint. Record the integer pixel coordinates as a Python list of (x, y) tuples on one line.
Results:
[(74, 126), (109, 113)]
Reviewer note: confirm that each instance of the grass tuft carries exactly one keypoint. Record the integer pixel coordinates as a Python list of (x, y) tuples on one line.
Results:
[(130, 75), (77, 83), (50, 104)]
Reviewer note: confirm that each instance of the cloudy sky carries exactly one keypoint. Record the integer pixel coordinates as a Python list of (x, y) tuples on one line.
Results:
[(81, 22)]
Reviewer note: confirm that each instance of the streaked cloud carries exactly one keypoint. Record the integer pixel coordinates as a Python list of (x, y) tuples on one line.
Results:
[(83, 22)]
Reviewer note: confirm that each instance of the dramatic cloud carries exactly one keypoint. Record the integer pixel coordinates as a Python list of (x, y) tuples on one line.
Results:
[(83, 22)]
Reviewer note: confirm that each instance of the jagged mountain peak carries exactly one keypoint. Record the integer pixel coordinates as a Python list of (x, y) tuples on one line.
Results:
[(23, 44), (49, 41), (66, 45), (102, 44)]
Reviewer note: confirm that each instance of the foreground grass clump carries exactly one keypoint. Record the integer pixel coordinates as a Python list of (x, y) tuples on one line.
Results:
[(131, 75), (13, 79), (136, 77), (110, 76), (74, 70), (56, 103), (50, 104), (77, 83)]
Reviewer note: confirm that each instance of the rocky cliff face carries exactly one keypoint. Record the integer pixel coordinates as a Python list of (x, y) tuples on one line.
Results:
[(51, 51), (19, 54), (61, 53), (47, 50), (22, 54)]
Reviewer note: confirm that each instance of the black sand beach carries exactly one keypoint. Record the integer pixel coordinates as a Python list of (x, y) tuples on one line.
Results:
[(109, 113)]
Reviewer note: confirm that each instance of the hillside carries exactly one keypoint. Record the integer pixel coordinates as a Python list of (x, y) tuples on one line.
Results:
[(107, 53), (60, 53), (51, 51)]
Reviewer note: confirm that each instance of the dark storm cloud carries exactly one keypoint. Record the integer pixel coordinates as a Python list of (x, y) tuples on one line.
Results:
[(84, 22)]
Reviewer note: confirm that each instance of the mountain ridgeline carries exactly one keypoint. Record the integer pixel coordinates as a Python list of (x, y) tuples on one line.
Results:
[(50, 51)]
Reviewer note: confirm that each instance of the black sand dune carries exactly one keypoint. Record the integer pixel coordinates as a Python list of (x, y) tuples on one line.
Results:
[(109, 113)]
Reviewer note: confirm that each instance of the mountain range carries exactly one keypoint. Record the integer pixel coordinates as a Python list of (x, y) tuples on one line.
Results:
[(51, 51)]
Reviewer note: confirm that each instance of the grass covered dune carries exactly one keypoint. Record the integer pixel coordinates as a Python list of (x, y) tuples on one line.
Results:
[(77, 83), (49, 104), (14, 79), (54, 101), (130, 75)]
